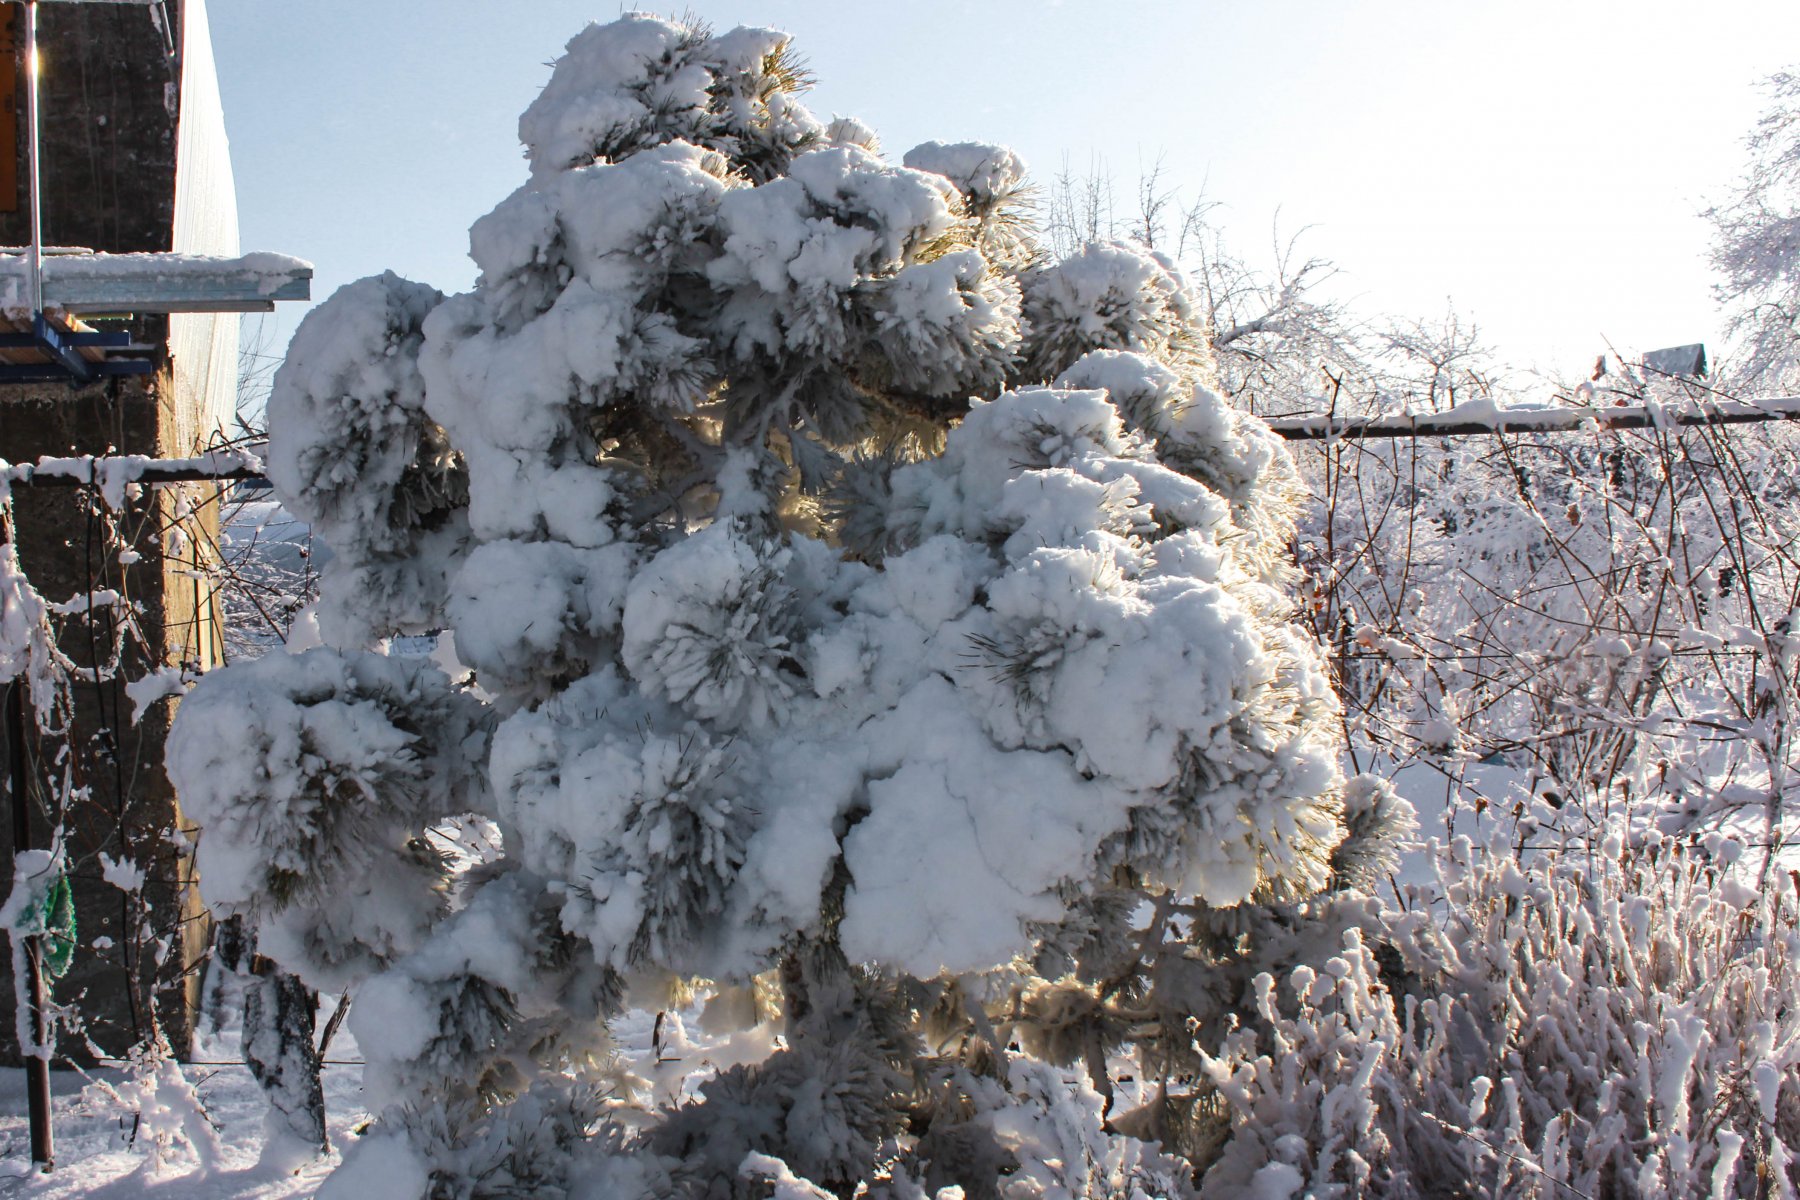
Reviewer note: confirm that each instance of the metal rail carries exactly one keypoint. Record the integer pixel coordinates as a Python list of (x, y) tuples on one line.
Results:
[(108, 471), (245, 466), (1469, 421)]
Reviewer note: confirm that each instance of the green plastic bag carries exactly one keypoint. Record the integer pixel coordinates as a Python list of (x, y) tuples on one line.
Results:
[(51, 918), (42, 906), (57, 919)]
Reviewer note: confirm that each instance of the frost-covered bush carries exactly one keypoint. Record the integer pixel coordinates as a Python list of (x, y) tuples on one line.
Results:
[(1601, 616), (1610, 1020), (847, 601)]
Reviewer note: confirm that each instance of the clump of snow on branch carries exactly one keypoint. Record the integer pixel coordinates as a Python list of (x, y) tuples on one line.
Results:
[(313, 776), (29, 654), (355, 457)]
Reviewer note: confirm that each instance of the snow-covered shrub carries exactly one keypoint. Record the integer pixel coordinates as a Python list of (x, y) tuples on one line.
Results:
[(1598, 622), (165, 1108), (1601, 616), (842, 593), (1611, 1019), (1305, 1114)]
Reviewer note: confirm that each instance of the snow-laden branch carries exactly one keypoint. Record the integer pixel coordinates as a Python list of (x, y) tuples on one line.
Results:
[(1262, 324)]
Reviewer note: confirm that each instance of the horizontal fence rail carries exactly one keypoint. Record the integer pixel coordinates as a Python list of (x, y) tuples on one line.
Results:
[(116, 471), (1467, 420), (112, 473)]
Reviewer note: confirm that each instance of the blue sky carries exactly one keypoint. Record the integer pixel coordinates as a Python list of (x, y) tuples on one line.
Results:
[(1540, 164)]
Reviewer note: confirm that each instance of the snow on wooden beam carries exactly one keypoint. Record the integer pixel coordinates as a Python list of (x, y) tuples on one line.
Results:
[(157, 283)]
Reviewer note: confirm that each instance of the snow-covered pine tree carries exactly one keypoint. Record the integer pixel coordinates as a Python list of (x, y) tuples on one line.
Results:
[(842, 595)]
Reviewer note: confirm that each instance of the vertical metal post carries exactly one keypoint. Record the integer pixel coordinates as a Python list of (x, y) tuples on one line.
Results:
[(36, 1062), (37, 1065), (31, 157)]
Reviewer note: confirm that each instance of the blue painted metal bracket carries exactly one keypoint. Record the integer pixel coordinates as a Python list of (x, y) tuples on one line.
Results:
[(86, 337), (53, 342), (49, 373), (63, 350)]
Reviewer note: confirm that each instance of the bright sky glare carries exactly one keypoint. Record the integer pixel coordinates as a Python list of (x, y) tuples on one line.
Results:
[(1541, 164)]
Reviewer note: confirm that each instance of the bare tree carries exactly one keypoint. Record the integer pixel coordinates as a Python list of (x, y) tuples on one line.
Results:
[(1756, 247)]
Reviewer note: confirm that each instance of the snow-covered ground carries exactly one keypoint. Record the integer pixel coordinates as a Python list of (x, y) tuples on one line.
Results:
[(104, 1151), (98, 1156)]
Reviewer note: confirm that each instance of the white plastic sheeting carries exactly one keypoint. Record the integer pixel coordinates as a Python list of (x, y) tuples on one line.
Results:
[(204, 345)]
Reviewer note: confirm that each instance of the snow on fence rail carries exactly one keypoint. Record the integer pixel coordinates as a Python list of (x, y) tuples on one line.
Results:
[(1486, 417), (113, 472)]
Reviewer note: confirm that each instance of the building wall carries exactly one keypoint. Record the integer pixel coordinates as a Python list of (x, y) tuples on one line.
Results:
[(109, 103), (123, 806), (134, 159)]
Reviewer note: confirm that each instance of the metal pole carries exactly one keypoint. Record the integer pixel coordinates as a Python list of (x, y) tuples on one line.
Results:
[(31, 157), (37, 1063)]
